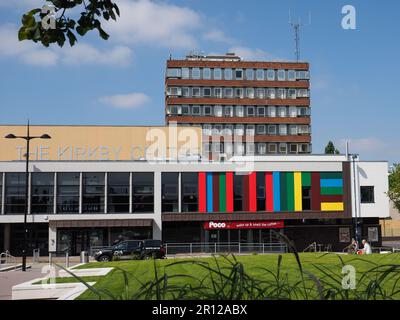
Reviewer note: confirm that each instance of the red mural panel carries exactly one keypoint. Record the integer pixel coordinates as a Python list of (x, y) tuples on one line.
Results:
[(331, 198), (253, 192), (315, 191), (229, 191), (215, 191), (269, 192), (246, 192), (202, 192)]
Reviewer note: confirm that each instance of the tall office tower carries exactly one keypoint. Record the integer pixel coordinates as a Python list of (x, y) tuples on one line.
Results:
[(243, 107)]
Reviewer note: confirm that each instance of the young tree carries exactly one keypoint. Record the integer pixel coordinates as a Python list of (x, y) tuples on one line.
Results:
[(51, 23), (394, 185), (330, 148)]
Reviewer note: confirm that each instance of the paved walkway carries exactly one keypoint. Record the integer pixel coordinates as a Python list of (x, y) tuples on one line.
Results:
[(8, 279)]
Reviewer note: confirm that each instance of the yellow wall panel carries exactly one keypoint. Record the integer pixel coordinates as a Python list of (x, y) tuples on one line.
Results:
[(297, 192), (332, 206)]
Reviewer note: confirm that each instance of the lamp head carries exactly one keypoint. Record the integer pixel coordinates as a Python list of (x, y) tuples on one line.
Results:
[(45, 136), (10, 136)]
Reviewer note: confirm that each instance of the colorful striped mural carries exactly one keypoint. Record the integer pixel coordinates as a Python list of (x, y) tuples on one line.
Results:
[(284, 191)]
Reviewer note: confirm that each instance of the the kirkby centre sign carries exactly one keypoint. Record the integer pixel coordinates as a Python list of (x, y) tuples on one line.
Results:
[(101, 143)]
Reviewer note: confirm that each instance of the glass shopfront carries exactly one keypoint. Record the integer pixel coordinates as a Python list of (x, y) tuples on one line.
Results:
[(242, 236), (243, 232), (75, 240), (38, 238)]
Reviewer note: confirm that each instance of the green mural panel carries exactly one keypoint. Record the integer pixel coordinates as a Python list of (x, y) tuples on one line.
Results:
[(325, 191), (284, 206), (331, 175), (306, 179), (222, 192), (290, 191)]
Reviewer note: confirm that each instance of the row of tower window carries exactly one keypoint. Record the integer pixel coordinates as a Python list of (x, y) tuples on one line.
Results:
[(238, 74), (260, 148), (238, 111), (251, 129), (249, 93)]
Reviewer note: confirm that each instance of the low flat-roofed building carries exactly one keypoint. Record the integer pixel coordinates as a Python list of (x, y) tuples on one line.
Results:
[(78, 203)]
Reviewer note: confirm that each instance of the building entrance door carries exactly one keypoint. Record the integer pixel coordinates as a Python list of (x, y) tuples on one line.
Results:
[(77, 240)]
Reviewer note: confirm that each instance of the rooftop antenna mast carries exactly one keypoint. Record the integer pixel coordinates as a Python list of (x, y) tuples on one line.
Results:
[(296, 27)]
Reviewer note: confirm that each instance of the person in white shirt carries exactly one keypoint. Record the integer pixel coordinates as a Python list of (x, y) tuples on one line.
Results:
[(367, 247)]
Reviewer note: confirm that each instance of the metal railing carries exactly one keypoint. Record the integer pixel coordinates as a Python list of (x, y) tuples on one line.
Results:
[(224, 247), (7, 259), (319, 247), (311, 248)]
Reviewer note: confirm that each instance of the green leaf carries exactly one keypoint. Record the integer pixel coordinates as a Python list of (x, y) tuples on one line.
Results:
[(37, 35), (116, 9), (102, 33), (112, 15), (23, 34), (61, 39), (71, 23), (71, 38), (28, 20)]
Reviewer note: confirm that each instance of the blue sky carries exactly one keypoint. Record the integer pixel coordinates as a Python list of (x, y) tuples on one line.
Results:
[(355, 73)]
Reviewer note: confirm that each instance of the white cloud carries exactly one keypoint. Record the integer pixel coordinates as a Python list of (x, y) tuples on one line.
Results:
[(26, 51), (126, 101), (35, 54), (40, 57), (251, 54), (372, 148), (217, 36), (82, 53), (155, 23), (363, 144)]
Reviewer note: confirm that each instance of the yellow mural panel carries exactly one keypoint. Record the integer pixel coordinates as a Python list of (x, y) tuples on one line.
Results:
[(332, 206), (298, 205)]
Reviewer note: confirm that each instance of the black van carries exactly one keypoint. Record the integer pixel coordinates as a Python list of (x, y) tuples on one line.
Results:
[(133, 249)]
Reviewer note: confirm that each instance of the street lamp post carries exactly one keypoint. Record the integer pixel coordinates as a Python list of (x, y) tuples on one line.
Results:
[(357, 227), (27, 138)]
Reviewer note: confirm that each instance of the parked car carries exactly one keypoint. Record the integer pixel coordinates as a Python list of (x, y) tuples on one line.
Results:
[(133, 249)]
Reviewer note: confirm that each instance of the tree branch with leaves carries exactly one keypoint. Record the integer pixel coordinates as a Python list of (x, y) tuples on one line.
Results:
[(394, 186), (35, 22)]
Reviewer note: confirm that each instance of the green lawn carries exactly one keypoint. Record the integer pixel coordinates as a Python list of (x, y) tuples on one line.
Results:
[(250, 277), (67, 280)]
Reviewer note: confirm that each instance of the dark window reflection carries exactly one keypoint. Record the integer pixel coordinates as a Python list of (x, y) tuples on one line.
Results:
[(93, 192), (170, 198), (189, 191), (68, 192), (118, 192), (143, 192), (15, 193), (42, 192)]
